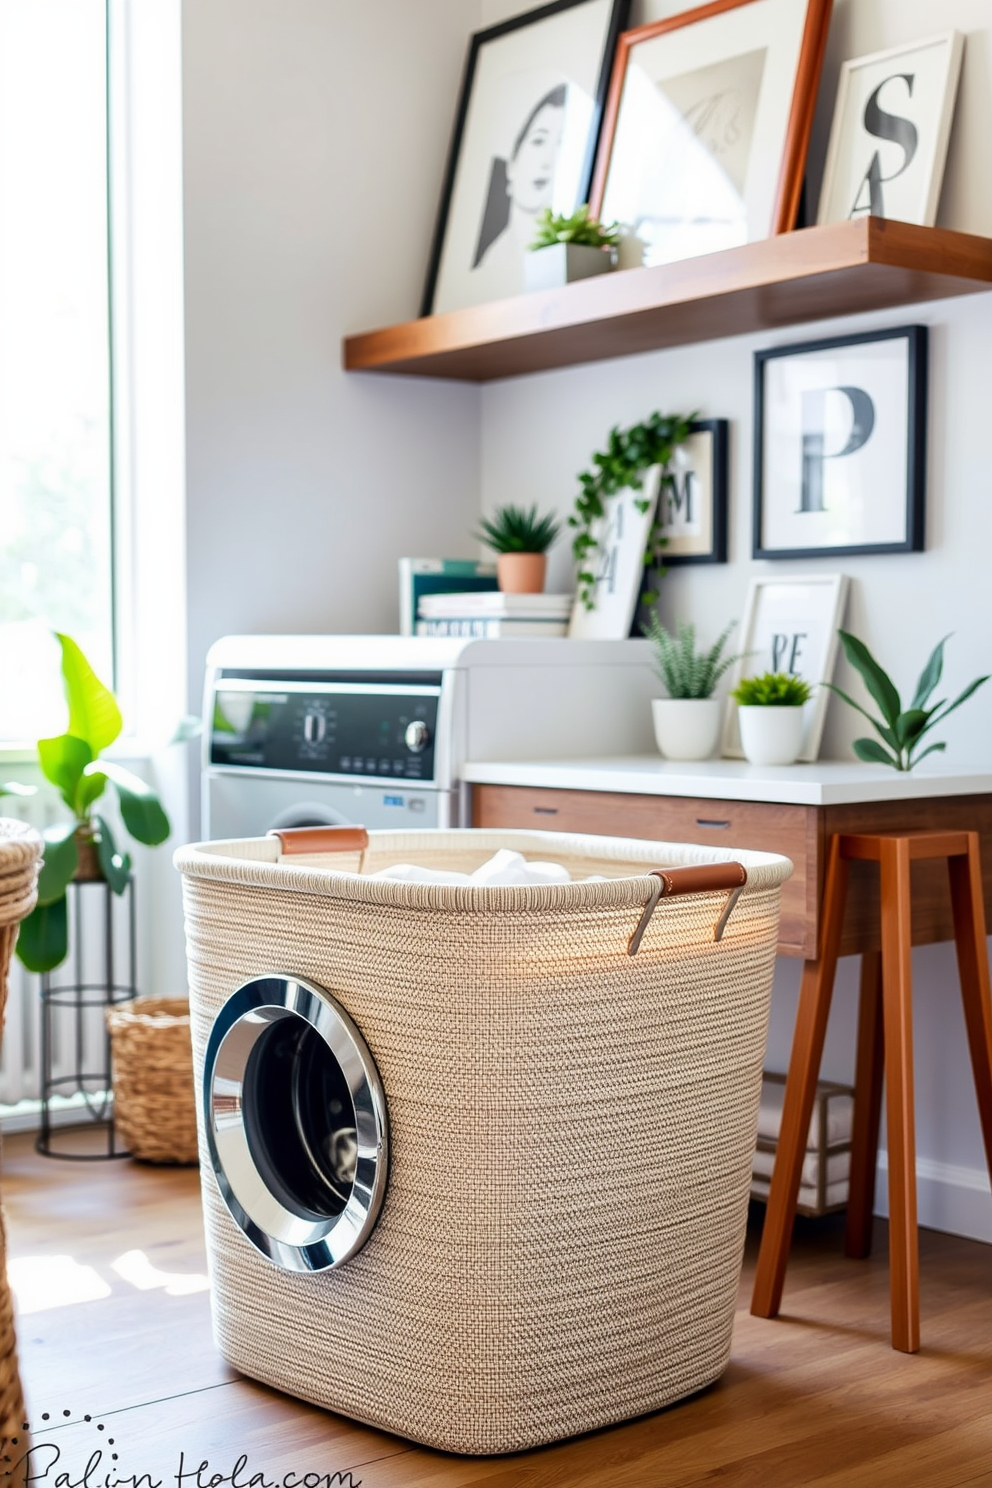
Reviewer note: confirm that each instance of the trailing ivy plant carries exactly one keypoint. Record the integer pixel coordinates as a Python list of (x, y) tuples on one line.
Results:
[(72, 762), (903, 730), (629, 455)]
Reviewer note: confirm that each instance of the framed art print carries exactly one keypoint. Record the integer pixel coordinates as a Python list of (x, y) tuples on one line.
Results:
[(707, 125), (525, 137), (790, 625), (840, 432), (890, 131), (621, 538)]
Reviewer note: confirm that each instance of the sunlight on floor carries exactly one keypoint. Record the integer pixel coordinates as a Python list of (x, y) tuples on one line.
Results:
[(136, 1268), (40, 1283)]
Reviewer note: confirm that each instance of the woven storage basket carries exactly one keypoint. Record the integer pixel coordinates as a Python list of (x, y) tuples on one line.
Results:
[(20, 859), (154, 1101), (571, 1129)]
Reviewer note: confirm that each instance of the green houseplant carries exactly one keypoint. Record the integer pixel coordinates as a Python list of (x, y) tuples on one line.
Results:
[(84, 847), (770, 714), (900, 730), (629, 454), (566, 248), (520, 537), (687, 721)]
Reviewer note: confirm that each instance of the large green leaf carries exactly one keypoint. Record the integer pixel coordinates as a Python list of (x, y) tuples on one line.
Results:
[(911, 725), (878, 683), (60, 862), (63, 760), (43, 942), (930, 749), (140, 806), (972, 687), (115, 864), (930, 675), (875, 754), (93, 711)]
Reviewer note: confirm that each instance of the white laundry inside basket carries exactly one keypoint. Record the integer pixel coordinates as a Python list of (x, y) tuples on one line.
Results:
[(504, 868)]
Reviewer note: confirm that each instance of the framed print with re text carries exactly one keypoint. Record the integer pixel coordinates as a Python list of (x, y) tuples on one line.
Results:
[(840, 439), (525, 137)]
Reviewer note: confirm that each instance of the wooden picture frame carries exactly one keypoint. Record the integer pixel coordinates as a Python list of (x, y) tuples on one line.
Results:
[(867, 493), (790, 625), (542, 73), (695, 87)]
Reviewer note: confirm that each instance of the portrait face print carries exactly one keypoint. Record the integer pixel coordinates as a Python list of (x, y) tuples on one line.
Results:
[(530, 173)]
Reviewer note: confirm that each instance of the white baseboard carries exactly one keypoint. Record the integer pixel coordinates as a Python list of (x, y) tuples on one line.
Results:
[(65, 1110), (955, 1200)]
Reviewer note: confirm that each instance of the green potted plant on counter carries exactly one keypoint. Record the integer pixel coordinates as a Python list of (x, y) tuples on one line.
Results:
[(770, 714), (900, 731), (83, 848), (569, 248), (687, 721), (520, 539)]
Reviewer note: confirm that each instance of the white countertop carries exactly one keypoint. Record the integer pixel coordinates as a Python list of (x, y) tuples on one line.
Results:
[(826, 783)]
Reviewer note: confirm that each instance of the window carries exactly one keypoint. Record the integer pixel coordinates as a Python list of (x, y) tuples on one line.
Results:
[(56, 513)]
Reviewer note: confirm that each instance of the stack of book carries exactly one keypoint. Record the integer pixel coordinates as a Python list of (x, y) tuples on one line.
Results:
[(486, 616)]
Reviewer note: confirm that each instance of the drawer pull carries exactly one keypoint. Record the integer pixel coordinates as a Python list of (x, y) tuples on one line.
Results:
[(545, 810), (719, 826)]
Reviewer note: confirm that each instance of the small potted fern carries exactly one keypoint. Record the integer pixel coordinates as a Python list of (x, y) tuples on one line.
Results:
[(520, 539), (687, 722), (771, 717), (569, 248)]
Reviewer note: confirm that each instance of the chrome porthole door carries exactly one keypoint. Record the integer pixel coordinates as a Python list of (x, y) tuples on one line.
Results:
[(295, 1115)]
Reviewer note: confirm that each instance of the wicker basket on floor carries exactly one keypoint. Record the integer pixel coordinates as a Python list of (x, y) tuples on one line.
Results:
[(20, 859), (154, 1105)]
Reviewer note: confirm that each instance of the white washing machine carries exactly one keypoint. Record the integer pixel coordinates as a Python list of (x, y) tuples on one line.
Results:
[(325, 730)]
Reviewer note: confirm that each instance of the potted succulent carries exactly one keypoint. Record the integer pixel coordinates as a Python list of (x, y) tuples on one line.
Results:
[(520, 539), (770, 713), (83, 848), (569, 248), (687, 722), (902, 730)]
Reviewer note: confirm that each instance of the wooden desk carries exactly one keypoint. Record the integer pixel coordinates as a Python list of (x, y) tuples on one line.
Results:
[(797, 827)]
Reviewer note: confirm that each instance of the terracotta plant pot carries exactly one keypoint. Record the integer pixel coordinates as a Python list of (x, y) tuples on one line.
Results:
[(521, 573)]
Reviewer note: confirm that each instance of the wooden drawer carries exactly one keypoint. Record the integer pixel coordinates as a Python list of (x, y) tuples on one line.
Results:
[(761, 826)]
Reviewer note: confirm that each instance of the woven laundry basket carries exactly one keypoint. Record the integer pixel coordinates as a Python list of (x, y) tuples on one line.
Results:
[(20, 860), (154, 1100), (570, 1126)]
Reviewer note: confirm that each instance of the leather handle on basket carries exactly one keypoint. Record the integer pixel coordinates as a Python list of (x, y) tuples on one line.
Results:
[(295, 840), (705, 878)]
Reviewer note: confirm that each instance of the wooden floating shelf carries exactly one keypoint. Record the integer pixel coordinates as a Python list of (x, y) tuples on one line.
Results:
[(821, 272)]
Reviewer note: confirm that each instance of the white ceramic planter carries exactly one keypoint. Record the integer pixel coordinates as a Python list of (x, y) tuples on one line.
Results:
[(687, 728), (771, 736), (563, 263)]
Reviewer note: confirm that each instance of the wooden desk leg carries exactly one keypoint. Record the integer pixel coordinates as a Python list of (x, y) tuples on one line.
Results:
[(973, 968), (800, 1093), (897, 1001), (867, 1109)]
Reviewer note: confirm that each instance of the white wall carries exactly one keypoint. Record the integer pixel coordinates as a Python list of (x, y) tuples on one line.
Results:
[(315, 136), (537, 432)]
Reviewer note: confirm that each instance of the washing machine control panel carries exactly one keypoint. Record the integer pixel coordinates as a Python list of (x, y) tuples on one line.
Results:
[(329, 725)]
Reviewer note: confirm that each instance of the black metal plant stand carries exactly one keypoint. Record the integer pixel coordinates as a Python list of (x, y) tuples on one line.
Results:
[(65, 1018)]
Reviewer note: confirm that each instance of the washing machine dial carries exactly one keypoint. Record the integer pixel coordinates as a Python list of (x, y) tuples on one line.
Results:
[(314, 728), (417, 736)]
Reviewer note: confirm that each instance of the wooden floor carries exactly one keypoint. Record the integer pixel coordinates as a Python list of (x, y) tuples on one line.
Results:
[(815, 1397)]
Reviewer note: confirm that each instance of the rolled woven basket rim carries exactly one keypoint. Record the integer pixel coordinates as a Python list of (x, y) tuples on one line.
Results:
[(139, 1011), (255, 861)]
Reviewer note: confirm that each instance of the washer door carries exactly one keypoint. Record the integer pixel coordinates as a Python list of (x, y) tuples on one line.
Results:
[(295, 1116)]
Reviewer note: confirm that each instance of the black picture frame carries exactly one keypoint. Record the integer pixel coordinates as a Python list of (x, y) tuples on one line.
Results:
[(618, 20), (719, 430), (917, 379)]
